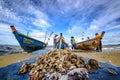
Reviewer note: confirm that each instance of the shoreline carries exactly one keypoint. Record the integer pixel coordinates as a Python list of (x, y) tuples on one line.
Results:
[(106, 56)]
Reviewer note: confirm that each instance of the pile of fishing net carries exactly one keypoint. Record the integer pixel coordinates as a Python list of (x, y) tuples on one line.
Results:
[(56, 64), (60, 65)]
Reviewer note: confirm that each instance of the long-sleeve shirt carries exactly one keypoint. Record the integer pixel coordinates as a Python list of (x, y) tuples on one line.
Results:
[(72, 41), (98, 36)]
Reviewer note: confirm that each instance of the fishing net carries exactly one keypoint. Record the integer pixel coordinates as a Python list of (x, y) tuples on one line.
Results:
[(10, 72)]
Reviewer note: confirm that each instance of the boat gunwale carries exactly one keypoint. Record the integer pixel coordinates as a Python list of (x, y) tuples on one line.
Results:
[(101, 36), (88, 40)]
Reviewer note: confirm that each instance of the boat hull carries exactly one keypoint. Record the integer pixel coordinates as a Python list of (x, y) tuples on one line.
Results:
[(27, 43), (90, 44)]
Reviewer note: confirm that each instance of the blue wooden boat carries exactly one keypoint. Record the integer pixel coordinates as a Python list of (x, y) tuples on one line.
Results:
[(27, 43)]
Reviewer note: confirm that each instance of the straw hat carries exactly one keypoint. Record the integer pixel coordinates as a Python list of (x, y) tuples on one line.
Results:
[(56, 35)]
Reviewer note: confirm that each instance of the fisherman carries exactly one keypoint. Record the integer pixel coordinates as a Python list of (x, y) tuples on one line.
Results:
[(62, 43), (61, 39), (73, 42), (55, 40), (99, 47)]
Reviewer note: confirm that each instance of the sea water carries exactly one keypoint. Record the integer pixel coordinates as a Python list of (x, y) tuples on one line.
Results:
[(9, 49)]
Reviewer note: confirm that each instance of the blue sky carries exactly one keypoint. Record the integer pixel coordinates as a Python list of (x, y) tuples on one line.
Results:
[(71, 17)]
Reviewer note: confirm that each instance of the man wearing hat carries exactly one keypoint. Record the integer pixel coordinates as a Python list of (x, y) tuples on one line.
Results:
[(55, 40), (99, 47), (73, 42)]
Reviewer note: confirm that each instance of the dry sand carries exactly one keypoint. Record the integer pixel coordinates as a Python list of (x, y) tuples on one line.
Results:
[(111, 56), (14, 58)]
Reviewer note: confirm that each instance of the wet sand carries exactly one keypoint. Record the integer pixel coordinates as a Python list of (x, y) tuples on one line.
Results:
[(111, 56), (14, 58)]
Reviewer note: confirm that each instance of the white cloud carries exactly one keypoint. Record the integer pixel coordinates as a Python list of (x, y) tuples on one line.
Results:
[(12, 14), (111, 12), (93, 27), (41, 23), (69, 5), (37, 35), (36, 12), (75, 29), (111, 37), (7, 15), (4, 28), (6, 35), (40, 35), (113, 27), (41, 19)]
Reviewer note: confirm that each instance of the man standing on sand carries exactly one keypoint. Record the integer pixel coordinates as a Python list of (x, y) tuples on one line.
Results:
[(73, 42), (62, 43), (61, 39), (55, 40), (99, 47)]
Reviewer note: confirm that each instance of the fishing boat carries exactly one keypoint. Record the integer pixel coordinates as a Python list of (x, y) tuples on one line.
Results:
[(89, 44), (27, 43)]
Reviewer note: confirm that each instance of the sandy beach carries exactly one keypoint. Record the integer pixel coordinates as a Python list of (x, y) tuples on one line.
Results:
[(14, 58), (111, 56)]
